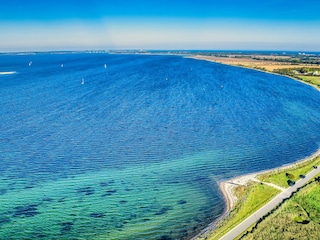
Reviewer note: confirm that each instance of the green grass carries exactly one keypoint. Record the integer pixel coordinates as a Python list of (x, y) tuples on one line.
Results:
[(311, 79), (251, 198), (299, 73), (297, 218), (280, 178)]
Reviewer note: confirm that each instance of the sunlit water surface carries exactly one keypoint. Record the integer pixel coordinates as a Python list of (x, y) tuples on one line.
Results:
[(98, 146)]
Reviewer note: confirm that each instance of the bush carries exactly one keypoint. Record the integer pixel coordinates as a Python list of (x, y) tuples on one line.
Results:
[(289, 175)]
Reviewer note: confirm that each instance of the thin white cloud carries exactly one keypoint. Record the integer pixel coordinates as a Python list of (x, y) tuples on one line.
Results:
[(160, 34), (211, 34)]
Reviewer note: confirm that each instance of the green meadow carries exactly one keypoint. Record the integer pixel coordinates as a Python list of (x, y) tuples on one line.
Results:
[(297, 218), (250, 198)]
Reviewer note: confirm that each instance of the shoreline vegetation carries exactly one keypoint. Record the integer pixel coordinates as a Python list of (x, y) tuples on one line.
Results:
[(247, 193)]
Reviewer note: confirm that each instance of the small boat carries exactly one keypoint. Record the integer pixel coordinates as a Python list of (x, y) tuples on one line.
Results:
[(82, 81), (105, 65), (30, 63)]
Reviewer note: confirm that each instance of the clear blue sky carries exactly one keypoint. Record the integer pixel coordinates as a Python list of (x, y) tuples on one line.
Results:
[(160, 24)]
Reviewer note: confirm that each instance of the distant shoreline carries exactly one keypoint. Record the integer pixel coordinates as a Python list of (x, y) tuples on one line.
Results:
[(237, 63)]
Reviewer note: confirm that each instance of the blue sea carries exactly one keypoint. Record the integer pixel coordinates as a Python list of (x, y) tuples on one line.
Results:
[(107, 146)]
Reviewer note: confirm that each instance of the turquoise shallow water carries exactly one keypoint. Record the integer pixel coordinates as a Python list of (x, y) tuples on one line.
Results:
[(137, 150)]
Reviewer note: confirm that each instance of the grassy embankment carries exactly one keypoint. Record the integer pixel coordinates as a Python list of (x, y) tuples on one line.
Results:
[(255, 195), (250, 199), (282, 176), (297, 218)]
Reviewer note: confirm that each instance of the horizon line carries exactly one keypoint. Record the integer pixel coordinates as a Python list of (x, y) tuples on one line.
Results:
[(142, 50)]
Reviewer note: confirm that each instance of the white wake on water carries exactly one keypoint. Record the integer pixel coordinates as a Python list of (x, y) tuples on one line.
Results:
[(7, 73)]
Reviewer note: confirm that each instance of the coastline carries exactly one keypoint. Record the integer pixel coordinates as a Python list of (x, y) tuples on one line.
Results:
[(227, 189), (227, 186)]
